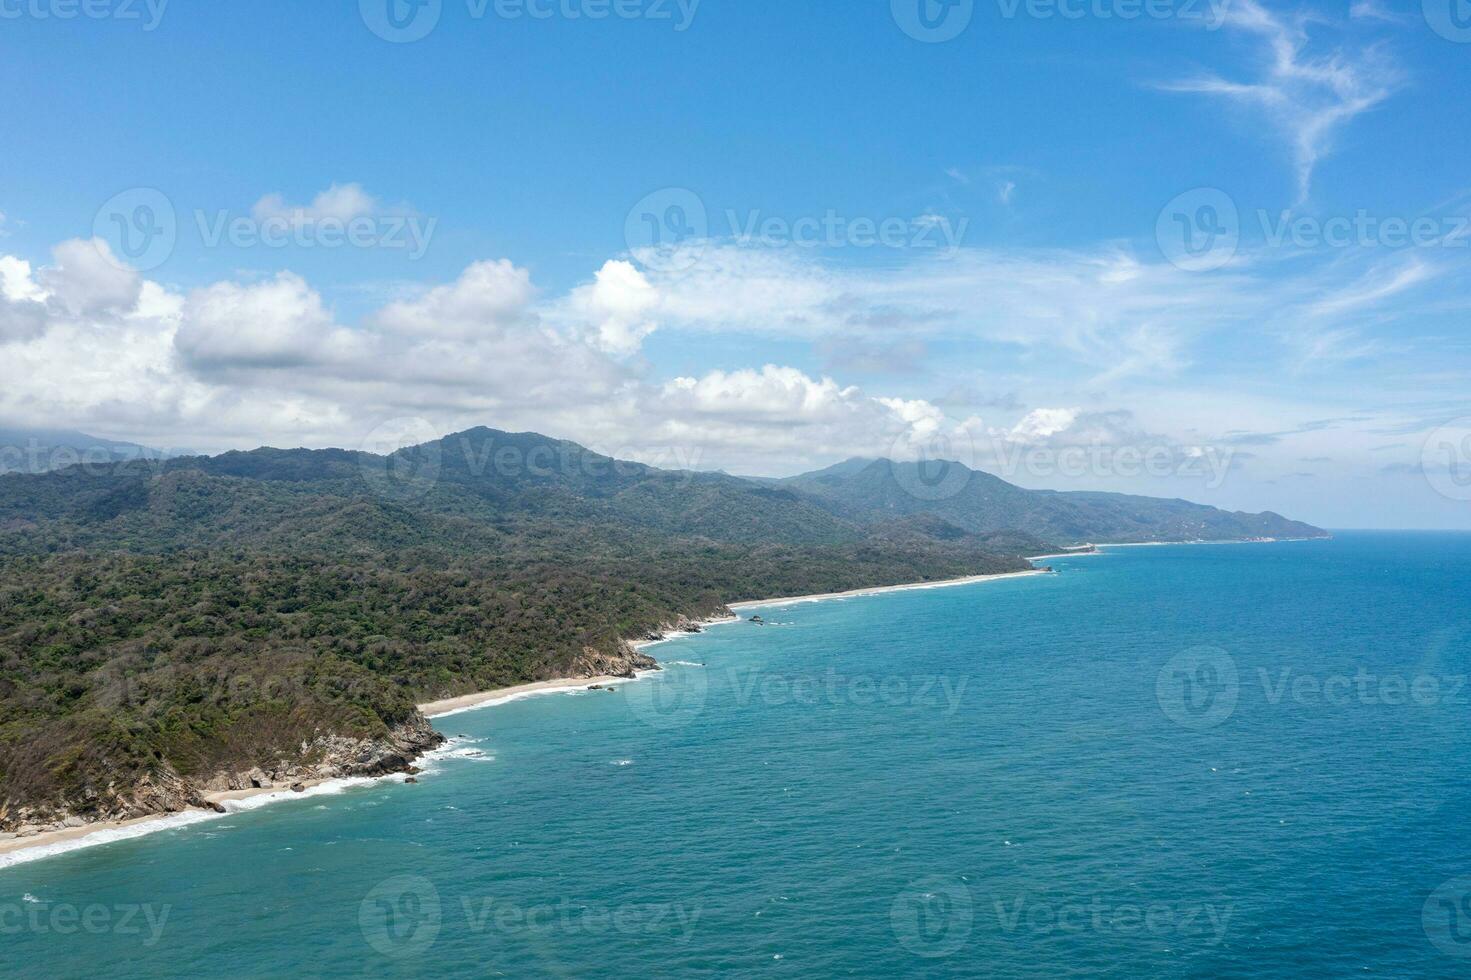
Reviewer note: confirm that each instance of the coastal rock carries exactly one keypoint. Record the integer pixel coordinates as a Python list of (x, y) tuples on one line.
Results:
[(298, 787), (163, 790), (411, 779), (625, 662)]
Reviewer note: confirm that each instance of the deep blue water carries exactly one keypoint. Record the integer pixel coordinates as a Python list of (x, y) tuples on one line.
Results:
[(1225, 761)]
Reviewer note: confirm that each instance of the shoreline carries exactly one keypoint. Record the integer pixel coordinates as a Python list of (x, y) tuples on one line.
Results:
[(516, 692), (51, 843), (22, 850), (1098, 548), (882, 589)]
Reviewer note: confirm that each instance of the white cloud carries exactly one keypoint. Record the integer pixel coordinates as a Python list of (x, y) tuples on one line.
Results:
[(487, 297), (1042, 423), (1307, 97), (1106, 310), (618, 307), (87, 278), (280, 323), (340, 202), (1375, 10)]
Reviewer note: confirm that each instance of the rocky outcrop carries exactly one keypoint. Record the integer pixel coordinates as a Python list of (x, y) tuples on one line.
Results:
[(161, 791), (624, 662), (165, 791), (336, 757)]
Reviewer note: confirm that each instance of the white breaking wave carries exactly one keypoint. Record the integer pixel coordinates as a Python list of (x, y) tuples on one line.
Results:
[(171, 822)]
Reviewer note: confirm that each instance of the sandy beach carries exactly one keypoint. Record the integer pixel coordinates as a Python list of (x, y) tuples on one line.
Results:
[(880, 590), (486, 699)]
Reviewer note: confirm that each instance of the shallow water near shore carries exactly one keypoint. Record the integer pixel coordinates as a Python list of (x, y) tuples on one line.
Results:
[(1172, 761)]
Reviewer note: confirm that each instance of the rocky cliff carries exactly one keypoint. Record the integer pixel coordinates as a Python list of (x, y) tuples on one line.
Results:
[(165, 791)]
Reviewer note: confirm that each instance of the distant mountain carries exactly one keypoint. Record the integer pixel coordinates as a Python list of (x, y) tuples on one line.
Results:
[(44, 450), (876, 491)]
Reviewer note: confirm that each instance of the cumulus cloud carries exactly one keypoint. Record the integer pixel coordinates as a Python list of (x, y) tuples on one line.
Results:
[(86, 278), (487, 297), (617, 306), (22, 301), (340, 202), (280, 323)]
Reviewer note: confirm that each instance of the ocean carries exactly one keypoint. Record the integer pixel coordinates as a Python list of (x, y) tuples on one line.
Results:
[(1206, 760)]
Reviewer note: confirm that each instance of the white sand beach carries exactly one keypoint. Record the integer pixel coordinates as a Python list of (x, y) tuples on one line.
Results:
[(880, 590), (489, 699)]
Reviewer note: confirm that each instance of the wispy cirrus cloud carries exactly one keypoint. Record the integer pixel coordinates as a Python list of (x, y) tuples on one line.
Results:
[(1308, 97)]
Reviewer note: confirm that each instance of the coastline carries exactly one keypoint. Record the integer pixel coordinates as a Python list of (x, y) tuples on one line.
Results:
[(503, 695), (22, 850), (882, 589)]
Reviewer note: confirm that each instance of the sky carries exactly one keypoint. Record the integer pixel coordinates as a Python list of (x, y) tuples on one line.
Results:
[(1210, 249)]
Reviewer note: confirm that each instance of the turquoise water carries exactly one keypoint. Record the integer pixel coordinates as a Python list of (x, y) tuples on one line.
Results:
[(1176, 761)]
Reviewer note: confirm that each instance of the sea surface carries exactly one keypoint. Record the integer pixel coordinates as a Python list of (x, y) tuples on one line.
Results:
[(1204, 761)]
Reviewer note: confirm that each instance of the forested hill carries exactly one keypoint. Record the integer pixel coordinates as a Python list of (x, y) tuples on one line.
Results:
[(874, 491), (168, 624)]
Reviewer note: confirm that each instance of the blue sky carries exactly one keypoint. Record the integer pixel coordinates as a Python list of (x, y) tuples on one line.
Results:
[(1033, 297)]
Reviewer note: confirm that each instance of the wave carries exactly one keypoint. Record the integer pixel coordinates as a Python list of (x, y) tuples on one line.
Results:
[(173, 821)]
